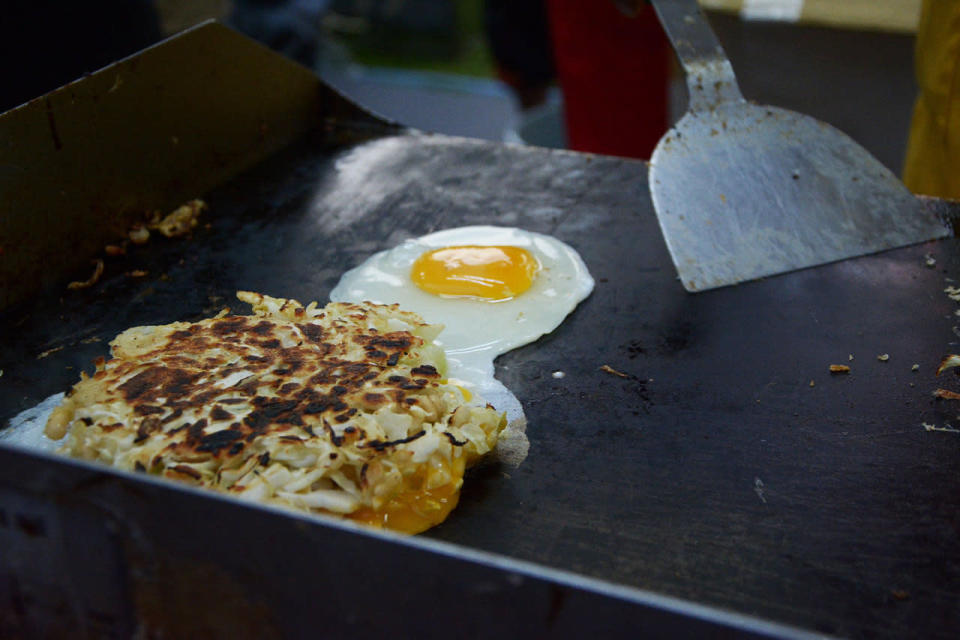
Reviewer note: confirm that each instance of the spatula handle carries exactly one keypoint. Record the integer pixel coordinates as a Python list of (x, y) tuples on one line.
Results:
[(710, 77)]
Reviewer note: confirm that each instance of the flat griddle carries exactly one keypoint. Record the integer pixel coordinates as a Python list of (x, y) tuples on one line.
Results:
[(697, 470)]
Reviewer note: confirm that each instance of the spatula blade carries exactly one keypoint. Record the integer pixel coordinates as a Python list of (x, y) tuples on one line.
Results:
[(746, 191)]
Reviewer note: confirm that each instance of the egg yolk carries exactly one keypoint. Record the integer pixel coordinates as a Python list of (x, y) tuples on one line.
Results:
[(489, 273), (418, 506)]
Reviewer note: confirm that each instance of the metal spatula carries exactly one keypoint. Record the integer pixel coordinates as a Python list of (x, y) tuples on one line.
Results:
[(744, 191)]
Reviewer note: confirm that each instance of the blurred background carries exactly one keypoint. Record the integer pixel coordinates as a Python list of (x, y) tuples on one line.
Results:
[(557, 73)]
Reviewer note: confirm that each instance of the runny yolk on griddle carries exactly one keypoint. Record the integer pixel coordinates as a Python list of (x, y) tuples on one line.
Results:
[(419, 505), (492, 273)]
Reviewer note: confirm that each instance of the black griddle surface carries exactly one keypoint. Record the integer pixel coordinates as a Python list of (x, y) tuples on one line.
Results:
[(724, 464)]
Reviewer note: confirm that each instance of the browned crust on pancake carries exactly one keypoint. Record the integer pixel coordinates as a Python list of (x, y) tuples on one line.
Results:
[(258, 405)]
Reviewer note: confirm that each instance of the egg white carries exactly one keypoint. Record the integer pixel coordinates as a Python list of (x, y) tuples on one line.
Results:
[(476, 331)]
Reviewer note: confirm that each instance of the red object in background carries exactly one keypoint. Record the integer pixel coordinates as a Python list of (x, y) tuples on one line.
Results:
[(614, 72)]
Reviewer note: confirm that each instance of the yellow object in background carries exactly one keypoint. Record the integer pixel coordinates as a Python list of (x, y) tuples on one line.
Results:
[(932, 164), (882, 15)]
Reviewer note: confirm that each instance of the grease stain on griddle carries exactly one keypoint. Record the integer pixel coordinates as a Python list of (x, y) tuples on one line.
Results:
[(634, 348), (672, 339), (677, 337)]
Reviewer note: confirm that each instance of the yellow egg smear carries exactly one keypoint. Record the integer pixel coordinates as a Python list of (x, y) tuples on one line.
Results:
[(491, 273), (461, 386), (425, 500)]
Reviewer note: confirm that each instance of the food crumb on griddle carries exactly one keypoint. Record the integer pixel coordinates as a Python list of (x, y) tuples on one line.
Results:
[(948, 362), (883, 357), (945, 428), (839, 368), (92, 280), (929, 260), (946, 394), (608, 369), (139, 234), (46, 353), (181, 220)]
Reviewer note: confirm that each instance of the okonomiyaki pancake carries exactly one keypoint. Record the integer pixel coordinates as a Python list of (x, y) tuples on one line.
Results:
[(342, 410)]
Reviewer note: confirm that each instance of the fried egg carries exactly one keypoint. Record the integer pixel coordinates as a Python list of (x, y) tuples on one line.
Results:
[(492, 288)]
